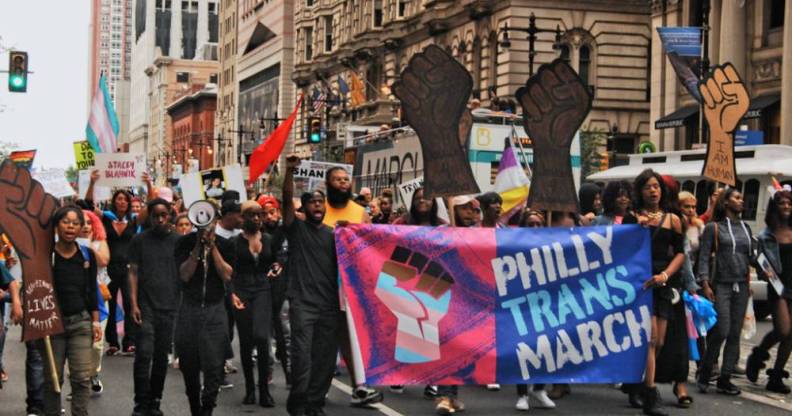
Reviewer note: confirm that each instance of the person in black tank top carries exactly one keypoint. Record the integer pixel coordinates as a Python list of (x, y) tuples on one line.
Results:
[(775, 243)]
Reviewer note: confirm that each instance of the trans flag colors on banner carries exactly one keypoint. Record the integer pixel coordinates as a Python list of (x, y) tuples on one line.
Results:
[(480, 305)]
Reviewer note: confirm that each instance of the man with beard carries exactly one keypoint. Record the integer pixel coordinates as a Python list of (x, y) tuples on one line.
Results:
[(385, 215), (313, 298), (154, 295), (226, 229), (339, 207), (279, 282), (201, 332)]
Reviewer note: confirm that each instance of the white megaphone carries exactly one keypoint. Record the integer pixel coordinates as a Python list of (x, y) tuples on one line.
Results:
[(201, 213)]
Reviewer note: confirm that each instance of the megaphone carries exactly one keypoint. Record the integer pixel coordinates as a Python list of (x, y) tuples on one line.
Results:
[(202, 213)]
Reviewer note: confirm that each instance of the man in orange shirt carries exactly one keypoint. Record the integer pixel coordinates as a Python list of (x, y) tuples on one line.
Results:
[(341, 209)]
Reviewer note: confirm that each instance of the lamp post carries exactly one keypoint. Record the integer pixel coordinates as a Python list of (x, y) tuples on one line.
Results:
[(532, 30), (220, 142), (705, 64)]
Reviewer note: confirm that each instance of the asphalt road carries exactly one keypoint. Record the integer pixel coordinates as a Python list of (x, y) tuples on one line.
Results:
[(585, 399)]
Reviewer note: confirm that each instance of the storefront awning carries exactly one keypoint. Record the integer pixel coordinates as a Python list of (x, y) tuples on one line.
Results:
[(678, 118), (759, 104)]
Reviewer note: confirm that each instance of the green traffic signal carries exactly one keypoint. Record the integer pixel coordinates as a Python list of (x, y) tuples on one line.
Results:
[(17, 81), (17, 71), (315, 137)]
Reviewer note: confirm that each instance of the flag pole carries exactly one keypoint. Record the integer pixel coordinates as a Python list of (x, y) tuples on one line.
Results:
[(53, 369)]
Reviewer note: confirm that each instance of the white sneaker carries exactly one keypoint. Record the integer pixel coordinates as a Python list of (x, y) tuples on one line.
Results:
[(493, 387), (522, 403), (540, 397)]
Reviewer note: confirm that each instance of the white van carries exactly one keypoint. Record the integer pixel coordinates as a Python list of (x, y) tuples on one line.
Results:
[(755, 166)]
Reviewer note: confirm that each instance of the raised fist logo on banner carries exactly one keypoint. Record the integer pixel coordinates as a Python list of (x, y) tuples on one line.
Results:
[(555, 102), (25, 212), (434, 89), (726, 101), (418, 292)]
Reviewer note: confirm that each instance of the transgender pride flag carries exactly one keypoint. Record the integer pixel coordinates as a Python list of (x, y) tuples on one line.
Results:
[(102, 128), (511, 182)]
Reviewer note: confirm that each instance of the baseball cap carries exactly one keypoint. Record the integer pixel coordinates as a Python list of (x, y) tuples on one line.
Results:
[(165, 193)]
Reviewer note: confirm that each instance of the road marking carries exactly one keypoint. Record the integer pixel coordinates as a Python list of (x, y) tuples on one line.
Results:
[(767, 400), (385, 410)]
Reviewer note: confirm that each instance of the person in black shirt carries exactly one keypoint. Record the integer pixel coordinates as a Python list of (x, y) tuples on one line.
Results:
[(385, 215), (202, 328), (74, 280), (253, 300), (226, 229), (154, 294), (313, 298)]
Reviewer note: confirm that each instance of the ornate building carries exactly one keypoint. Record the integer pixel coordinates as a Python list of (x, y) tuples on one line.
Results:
[(228, 88), (606, 41), (750, 34)]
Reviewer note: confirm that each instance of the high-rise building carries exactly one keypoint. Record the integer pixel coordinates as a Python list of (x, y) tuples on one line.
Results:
[(228, 88), (166, 31), (111, 54)]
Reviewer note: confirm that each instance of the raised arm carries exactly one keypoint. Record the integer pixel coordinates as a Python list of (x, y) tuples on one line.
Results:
[(152, 191), (287, 208), (90, 191)]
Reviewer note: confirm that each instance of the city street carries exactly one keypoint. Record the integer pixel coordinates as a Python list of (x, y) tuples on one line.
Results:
[(589, 400)]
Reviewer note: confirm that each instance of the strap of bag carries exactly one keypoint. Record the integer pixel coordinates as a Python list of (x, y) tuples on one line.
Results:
[(714, 256)]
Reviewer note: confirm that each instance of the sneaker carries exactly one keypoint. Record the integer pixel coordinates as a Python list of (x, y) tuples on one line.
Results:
[(522, 403), (111, 351), (726, 387), (140, 410), (398, 389), (129, 351), (226, 384), (444, 406), (430, 392), (493, 387), (365, 395), (542, 399), (96, 386), (229, 368), (154, 410)]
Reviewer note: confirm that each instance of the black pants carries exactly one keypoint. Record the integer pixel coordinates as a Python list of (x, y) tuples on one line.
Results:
[(281, 332), (313, 355), (119, 283), (229, 309), (201, 338), (253, 324), (154, 338)]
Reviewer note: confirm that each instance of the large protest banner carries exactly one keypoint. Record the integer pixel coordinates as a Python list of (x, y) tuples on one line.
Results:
[(120, 169), (479, 305)]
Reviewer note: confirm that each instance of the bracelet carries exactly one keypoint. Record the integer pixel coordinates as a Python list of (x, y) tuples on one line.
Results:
[(665, 275)]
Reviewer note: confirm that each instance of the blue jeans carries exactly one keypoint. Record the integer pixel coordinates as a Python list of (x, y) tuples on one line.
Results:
[(34, 378), (3, 329)]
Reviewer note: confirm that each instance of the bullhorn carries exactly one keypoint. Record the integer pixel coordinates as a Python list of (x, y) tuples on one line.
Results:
[(202, 213)]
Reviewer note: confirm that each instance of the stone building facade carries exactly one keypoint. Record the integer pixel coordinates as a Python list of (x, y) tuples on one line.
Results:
[(608, 41), (192, 126), (753, 36), (228, 88)]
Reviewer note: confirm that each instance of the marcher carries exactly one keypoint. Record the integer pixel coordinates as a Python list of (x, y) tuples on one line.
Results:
[(202, 327), (94, 234), (313, 299), (183, 225), (154, 295), (252, 299), (729, 240), (226, 229), (616, 205), (339, 207), (74, 280), (775, 242), (422, 211), (590, 196), (385, 215)]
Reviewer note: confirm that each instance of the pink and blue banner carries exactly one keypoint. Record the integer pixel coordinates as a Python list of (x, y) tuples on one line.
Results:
[(479, 305)]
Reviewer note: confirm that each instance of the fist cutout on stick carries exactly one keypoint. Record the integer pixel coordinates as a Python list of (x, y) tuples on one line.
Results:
[(434, 89), (555, 102)]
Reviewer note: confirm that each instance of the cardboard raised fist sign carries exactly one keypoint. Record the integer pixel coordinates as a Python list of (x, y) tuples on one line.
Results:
[(725, 101), (25, 212), (434, 89), (555, 102)]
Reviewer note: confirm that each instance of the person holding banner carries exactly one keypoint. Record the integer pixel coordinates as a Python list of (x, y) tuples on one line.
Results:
[(422, 211), (616, 205), (651, 204), (74, 280), (313, 298), (729, 240), (775, 242)]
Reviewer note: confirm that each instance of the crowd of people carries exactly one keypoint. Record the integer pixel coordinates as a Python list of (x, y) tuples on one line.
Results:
[(268, 268)]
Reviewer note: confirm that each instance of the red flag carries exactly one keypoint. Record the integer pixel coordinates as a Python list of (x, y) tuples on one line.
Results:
[(268, 151)]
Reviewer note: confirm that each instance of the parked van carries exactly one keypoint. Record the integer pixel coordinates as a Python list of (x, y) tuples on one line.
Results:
[(755, 165)]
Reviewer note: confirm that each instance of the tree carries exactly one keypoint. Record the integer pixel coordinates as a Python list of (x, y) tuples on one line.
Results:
[(72, 173), (591, 145), (6, 148)]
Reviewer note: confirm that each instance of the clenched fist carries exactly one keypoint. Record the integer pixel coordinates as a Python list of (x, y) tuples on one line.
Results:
[(555, 102), (434, 89)]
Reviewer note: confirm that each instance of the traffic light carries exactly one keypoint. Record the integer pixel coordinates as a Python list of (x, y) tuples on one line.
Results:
[(316, 131), (17, 71)]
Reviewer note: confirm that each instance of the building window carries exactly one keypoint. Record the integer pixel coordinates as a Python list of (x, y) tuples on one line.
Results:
[(751, 199), (308, 43), (183, 77), (402, 8), (377, 13), (585, 64), (492, 72), (213, 78), (776, 13), (564, 53), (328, 27), (309, 3)]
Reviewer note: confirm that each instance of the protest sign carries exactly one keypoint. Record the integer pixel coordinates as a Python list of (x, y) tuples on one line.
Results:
[(83, 155), (555, 102), (54, 182), (683, 47), (443, 305), (120, 169), (726, 101), (434, 89), (100, 193), (310, 175), (25, 212), (212, 183)]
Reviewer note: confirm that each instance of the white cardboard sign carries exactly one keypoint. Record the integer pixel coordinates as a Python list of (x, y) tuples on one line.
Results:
[(120, 169)]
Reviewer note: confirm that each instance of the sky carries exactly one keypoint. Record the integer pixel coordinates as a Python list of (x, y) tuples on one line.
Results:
[(53, 113)]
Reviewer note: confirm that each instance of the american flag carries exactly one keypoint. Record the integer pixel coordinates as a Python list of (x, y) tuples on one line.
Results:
[(318, 99)]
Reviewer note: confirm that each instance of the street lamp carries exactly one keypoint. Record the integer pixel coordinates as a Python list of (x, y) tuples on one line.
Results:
[(532, 31)]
